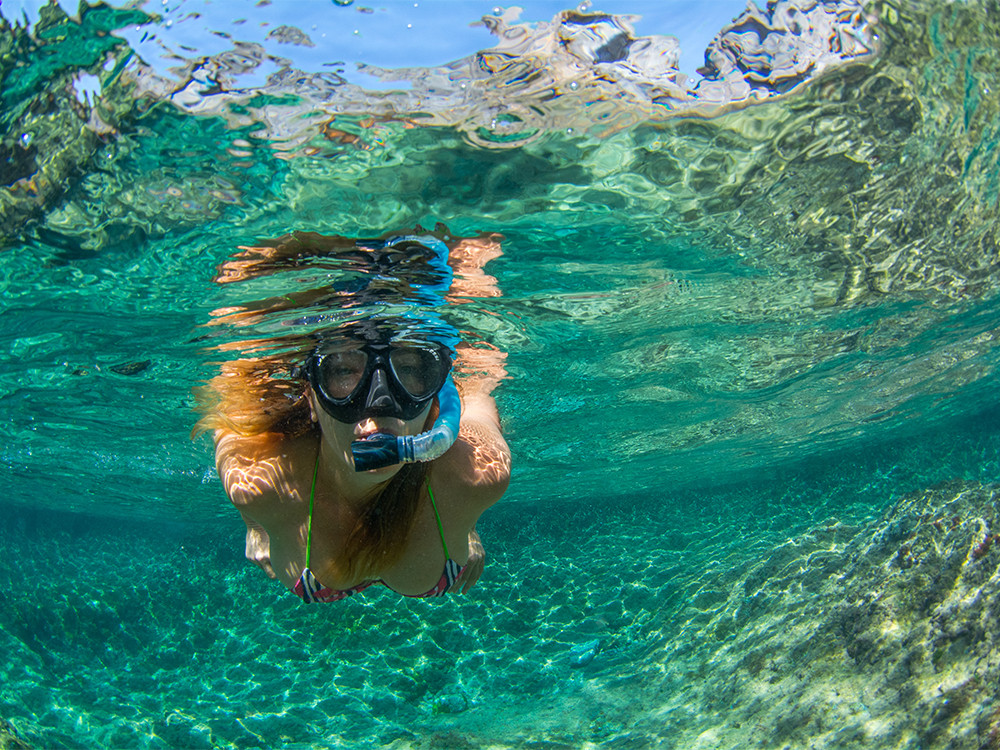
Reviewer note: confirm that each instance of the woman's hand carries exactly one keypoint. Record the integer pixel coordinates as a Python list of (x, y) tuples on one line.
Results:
[(258, 549), (473, 568)]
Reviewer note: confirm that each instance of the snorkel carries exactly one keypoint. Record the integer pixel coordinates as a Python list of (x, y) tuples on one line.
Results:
[(380, 450)]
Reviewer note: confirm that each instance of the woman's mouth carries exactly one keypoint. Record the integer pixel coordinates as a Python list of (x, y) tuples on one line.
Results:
[(365, 430)]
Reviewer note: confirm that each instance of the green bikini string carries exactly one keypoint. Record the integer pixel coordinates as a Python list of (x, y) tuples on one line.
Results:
[(309, 525), (312, 498), (438, 517)]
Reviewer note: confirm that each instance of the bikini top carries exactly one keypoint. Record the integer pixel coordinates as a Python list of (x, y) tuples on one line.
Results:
[(310, 590)]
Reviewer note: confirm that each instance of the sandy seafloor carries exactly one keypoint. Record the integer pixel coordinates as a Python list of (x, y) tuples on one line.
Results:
[(789, 611)]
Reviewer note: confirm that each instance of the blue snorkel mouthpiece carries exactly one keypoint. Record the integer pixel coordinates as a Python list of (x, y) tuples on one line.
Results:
[(380, 450)]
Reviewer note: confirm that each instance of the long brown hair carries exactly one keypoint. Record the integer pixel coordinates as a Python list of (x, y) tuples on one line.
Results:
[(379, 535), (252, 397)]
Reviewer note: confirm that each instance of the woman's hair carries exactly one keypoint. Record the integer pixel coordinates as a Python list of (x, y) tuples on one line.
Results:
[(379, 535), (254, 396)]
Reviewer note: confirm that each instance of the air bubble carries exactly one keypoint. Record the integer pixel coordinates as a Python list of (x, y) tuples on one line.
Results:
[(26, 139), (573, 85)]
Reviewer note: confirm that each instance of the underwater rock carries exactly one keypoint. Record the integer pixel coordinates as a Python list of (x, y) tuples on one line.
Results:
[(451, 702), (53, 127), (9, 739), (132, 368), (884, 637), (906, 135), (582, 655)]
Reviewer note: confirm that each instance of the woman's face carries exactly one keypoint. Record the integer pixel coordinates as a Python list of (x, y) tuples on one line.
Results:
[(377, 378), (360, 388)]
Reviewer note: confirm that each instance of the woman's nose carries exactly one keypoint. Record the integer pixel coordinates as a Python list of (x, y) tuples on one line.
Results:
[(380, 400)]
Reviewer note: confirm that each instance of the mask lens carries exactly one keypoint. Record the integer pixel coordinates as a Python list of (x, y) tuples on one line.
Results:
[(342, 373), (421, 372)]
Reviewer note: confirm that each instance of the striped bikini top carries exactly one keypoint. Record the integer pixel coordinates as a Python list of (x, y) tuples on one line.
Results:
[(310, 590)]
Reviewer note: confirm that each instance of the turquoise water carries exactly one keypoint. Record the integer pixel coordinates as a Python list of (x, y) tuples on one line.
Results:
[(750, 322)]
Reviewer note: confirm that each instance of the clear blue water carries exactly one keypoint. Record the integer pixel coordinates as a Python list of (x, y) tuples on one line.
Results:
[(751, 326)]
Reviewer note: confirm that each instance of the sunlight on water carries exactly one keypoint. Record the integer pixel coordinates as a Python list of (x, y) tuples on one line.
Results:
[(747, 309)]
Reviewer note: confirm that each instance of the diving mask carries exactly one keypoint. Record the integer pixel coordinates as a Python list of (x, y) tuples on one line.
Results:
[(395, 380)]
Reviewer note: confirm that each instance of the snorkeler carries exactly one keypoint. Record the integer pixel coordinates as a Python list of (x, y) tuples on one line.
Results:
[(367, 466)]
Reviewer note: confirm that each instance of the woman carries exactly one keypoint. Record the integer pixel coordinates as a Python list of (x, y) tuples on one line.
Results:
[(331, 508)]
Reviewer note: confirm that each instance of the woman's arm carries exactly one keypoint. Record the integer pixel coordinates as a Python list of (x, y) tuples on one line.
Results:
[(481, 457), (482, 460), (245, 466), (247, 480)]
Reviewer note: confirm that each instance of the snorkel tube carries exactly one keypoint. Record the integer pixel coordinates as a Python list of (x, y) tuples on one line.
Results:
[(380, 450)]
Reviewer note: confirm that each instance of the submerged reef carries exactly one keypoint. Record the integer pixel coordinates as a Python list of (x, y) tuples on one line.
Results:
[(880, 636), (883, 635), (9, 739)]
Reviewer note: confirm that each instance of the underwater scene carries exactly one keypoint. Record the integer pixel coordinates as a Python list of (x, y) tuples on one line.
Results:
[(735, 268)]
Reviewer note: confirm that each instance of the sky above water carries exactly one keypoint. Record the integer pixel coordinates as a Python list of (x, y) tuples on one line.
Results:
[(393, 34)]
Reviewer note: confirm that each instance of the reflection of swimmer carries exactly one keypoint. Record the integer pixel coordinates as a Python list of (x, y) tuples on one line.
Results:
[(360, 470), (466, 257)]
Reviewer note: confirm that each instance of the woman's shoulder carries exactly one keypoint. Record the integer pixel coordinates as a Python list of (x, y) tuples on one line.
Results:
[(255, 467), (478, 465)]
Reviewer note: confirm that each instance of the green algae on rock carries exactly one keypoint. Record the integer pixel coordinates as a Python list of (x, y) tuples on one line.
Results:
[(9, 739), (50, 130), (880, 636)]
